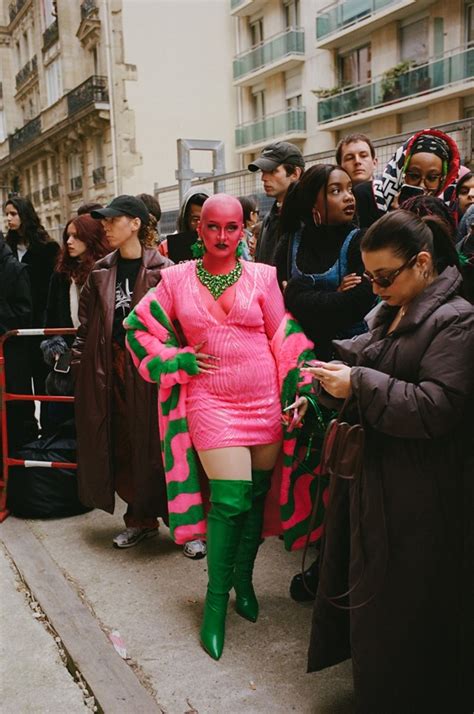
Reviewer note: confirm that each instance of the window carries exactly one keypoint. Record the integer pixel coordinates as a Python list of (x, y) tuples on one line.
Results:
[(258, 104), (18, 56), (470, 24), (256, 32), (49, 13), (54, 85), (354, 67), (75, 172), (414, 41), (292, 13), (44, 172), (26, 47), (295, 102), (3, 131)]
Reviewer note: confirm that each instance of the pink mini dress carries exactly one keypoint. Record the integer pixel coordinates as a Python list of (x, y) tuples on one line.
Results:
[(239, 404)]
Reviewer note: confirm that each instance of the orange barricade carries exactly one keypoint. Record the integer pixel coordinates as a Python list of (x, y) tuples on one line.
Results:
[(6, 397)]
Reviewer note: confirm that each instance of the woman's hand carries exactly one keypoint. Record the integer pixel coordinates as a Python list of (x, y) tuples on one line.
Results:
[(205, 362), (348, 282), (299, 409), (335, 379)]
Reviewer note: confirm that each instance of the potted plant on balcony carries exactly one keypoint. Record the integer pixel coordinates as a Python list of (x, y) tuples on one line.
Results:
[(390, 84)]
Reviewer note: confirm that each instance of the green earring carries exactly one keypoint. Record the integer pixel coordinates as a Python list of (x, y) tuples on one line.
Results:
[(240, 249), (198, 249)]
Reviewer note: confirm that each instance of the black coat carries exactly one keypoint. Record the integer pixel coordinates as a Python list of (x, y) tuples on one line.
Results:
[(401, 537), (323, 314), (268, 240), (58, 307), (40, 259), (15, 313)]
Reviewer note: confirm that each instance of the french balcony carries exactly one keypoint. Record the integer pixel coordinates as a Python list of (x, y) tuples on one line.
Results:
[(98, 175), (279, 53), (50, 35), (353, 20), (36, 198), (24, 135), (288, 124), (14, 8), (54, 190), (451, 75), (242, 8), (45, 192), (27, 72), (92, 91)]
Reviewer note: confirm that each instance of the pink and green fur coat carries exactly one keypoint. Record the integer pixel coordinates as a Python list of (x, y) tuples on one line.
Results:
[(157, 354)]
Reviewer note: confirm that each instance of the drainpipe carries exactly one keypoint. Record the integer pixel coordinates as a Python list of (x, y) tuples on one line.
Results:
[(111, 89)]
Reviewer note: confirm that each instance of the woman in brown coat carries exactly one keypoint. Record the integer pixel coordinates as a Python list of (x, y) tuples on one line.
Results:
[(116, 411), (399, 539)]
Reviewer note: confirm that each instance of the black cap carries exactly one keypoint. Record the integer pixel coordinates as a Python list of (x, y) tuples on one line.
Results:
[(273, 155), (124, 206)]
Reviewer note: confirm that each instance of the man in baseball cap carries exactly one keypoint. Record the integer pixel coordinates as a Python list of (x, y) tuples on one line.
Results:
[(281, 164), (123, 206)]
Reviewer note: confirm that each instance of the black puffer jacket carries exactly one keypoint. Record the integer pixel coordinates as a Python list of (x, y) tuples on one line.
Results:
[(401, 537)]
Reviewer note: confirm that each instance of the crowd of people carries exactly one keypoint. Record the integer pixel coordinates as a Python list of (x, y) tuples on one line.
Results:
[(354, 296)]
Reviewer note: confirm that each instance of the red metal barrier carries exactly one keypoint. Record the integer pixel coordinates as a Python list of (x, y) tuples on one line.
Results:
[(6, 397)]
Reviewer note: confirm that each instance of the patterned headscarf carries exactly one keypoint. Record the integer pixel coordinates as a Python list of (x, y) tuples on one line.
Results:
[(431, 141)]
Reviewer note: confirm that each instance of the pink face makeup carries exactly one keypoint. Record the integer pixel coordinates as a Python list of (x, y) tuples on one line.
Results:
[(221, 227)]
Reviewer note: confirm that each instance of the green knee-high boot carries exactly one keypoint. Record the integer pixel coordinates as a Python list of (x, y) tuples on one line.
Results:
[(230, 501), (246, 603)]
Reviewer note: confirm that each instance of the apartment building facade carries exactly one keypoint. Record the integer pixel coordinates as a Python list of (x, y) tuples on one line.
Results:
[(80, 122), (309, 72)]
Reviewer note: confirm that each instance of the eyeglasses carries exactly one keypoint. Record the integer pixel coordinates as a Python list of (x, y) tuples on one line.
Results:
[(416, 178), (384, 281)]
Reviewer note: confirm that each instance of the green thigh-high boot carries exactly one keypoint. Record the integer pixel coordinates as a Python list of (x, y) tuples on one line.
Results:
[(246, 603), (230, 501)]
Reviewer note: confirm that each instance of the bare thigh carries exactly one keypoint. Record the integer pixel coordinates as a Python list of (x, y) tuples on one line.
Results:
[(264, 456), (232, 463)]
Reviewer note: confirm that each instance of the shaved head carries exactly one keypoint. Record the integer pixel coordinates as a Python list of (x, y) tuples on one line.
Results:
[(224, 207)]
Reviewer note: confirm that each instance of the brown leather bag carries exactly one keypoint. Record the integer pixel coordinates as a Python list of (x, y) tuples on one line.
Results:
[(341, 457), (343, 448)]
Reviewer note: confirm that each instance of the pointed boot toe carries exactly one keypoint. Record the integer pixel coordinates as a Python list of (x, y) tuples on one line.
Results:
[(247, 606)]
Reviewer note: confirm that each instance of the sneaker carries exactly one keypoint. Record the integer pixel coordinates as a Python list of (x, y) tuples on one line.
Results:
[(132, 536), (195, 549)]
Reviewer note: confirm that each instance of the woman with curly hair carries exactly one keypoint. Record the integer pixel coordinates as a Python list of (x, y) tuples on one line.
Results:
[(116, 415)]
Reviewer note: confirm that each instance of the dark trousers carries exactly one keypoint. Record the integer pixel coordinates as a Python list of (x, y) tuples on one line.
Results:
[(121, 444)]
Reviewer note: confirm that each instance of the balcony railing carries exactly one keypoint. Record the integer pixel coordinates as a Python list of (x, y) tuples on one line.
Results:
[(36, 197), (98, 175), (50, 36), (435, 74), (54, 189), (271, 126), (345, 13), (24, 135), (45, 192), (76, 183), (286, 43), (29, 70), (14, 8), (92, 90), (87, 7)]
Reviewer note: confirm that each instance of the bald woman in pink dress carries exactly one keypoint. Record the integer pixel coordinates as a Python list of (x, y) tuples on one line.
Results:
[(229, 311)]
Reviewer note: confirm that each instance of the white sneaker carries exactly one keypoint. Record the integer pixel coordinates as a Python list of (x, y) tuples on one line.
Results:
[(195, 549), (131, 536)]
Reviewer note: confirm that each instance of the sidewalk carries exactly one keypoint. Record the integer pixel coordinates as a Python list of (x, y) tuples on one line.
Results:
[(154, 596), (34, 677)]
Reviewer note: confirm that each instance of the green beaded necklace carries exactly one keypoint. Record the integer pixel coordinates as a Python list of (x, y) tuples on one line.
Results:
[(217, 284)]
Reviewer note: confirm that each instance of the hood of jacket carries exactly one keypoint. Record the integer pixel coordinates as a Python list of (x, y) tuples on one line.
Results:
[(186, 201)]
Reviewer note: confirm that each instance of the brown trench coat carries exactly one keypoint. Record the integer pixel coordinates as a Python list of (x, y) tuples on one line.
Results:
[(401, 537), (92, 360)]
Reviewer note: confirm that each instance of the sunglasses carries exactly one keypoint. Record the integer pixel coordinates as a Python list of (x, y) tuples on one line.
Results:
[(384, 281)]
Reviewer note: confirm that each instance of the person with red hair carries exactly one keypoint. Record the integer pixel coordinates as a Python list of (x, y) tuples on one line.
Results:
[(83, 243)]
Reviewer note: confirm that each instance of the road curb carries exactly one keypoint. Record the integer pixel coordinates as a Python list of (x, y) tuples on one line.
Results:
[(110, 680)]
